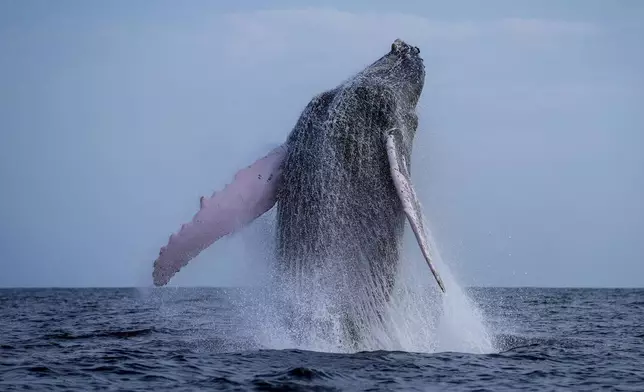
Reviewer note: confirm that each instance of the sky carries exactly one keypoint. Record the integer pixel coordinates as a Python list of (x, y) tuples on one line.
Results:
[(115, 117)]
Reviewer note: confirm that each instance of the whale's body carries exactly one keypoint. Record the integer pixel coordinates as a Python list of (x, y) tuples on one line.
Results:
[(342, 187), (337, 207)]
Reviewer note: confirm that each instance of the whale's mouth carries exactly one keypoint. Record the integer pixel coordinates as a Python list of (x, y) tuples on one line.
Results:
[(406, 64)]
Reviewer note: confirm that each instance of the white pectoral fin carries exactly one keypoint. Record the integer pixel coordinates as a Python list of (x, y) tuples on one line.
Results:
[(251, 193), (407, 195)]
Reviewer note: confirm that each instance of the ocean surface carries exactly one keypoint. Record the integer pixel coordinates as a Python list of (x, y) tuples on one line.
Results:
[(200, 339)]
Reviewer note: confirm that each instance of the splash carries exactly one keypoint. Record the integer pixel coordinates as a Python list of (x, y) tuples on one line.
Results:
[(419, 318), (458, 325)]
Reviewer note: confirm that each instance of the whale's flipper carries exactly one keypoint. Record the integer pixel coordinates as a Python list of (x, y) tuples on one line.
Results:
[(252, 193), (407, 194)]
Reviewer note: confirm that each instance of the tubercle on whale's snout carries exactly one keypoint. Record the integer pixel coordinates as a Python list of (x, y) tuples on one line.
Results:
[(400, 46)]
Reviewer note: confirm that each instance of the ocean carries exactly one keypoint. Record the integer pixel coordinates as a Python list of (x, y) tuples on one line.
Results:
[(192, 339)]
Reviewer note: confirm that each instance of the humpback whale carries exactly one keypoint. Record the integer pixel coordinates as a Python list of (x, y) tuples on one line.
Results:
[(341, 183)]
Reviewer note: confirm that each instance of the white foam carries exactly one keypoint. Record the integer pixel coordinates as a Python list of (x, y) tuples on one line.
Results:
[(419, 317)]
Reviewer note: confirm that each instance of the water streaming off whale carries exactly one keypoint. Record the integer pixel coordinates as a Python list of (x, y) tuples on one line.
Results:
[(303, 314)]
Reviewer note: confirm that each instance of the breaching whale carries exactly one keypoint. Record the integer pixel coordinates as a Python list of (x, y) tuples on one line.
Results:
[(341, 182)]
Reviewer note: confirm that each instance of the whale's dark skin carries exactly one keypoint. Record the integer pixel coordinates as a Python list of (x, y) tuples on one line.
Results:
[(342, 186), (337, 206)]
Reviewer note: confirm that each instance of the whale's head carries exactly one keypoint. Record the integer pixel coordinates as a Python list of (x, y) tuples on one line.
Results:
[(402, 68)]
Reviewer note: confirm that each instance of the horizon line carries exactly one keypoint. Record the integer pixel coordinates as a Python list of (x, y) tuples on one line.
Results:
[(241, 286)]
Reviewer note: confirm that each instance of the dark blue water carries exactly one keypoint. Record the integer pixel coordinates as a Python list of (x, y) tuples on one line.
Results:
[(187, 340)]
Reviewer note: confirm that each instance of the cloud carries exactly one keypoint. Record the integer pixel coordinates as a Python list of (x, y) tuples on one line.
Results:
[(137, 118), (504, 62), (544, 28), (322, 30)]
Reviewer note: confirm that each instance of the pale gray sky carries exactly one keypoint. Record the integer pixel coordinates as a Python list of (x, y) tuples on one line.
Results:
[(116, 116)]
